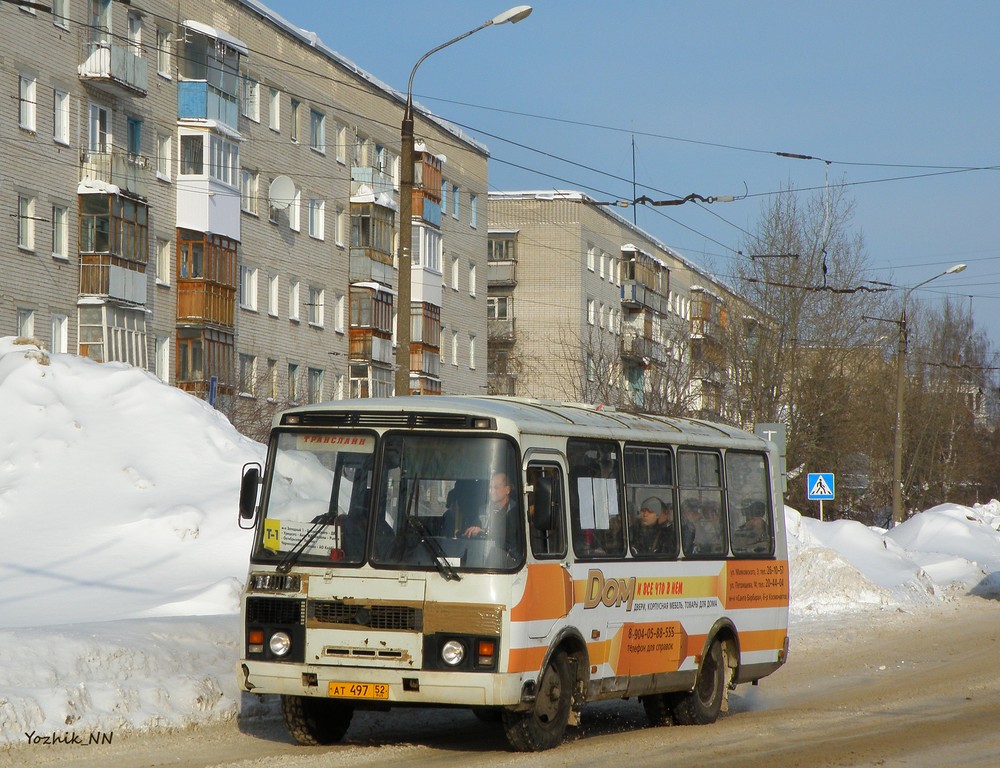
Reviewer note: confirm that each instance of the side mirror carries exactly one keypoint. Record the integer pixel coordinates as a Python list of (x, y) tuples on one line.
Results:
[(542, 517), (248, 494)]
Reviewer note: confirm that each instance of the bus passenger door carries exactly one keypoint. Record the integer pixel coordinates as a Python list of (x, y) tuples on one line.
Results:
[(548, 592)]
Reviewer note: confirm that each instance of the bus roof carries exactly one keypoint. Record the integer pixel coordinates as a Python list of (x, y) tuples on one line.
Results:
[(525, 415)]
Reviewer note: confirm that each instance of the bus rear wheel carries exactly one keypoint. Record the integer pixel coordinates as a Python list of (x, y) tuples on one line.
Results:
[(316, 722), (659, 708), (703, 705), (544, 725)]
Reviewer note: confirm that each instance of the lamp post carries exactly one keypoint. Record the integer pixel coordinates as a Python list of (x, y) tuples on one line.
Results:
[(898, 515), (403, 319)]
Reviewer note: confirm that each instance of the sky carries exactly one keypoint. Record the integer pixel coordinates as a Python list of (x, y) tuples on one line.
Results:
[(119, 607), (896, 100)]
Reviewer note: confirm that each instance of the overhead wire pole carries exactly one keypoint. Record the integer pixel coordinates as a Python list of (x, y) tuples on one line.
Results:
[(403, 312), (898, 514)]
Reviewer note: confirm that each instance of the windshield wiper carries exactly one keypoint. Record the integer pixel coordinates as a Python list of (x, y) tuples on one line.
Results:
[(292, 556), (433, 545)]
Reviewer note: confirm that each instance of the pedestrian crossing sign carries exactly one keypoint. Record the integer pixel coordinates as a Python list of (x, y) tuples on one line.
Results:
[(820, 486)]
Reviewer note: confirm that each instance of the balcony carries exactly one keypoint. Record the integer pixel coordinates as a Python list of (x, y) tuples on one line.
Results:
[(197, 100), (366, 346), (426, 209), (500, 331), (374, 180), (636, 347), (109, 277), (502, 274), (201, 301), (501, 384), (114, 68), (636, 296), (128, 172)]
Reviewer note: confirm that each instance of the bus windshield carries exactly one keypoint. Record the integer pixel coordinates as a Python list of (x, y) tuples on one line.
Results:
[(448, 502)]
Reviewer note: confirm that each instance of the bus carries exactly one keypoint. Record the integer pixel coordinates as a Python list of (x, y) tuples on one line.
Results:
[(515, 557)]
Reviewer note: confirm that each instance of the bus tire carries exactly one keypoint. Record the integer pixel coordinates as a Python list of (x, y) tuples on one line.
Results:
[(659, 708), (702, 705), (314, 721), (544, 725)]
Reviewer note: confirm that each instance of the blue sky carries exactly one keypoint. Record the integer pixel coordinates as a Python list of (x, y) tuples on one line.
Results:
[(897, 95)]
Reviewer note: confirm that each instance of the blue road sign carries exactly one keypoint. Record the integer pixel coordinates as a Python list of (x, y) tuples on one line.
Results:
[(820, 486)]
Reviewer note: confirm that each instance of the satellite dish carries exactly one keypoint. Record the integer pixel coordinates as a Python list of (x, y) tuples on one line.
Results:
[(281, 192)]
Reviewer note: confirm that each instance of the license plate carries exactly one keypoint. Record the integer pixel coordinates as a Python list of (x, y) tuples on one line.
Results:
[(358, 690)]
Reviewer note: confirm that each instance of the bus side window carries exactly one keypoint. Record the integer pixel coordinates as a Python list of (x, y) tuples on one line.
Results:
[(595, 494), (750, 515), (546, 511)]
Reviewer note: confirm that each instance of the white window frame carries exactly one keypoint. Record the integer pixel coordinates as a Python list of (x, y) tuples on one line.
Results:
[(60, 13), (274, 111), (163, 251), (340, 303), (317, 218), (473, 210), (472, 351), (317, 308), (163, 39), (472, 280), (342, 228), (249, 191), (26, 322), (99, 135), (161, 358), (341, 143), (295, 212), (317, 131), (25, 221), (248, 287), (60, 334), (60, 117), (164, 151), (293, 300), (60, 232), (273, 285), (455, 198), (250, 106), (27, 102)]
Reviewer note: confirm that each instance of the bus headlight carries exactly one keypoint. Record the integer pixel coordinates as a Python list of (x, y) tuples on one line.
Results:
[(452, 653), (280, 643)]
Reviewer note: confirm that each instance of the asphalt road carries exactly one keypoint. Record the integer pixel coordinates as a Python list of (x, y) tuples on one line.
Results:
[(897, 689)]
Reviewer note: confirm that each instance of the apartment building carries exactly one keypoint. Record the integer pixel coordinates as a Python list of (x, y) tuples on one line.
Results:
[(202, 189), (584, 305)]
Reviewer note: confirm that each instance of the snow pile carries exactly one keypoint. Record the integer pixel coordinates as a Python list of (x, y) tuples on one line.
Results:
[(124, 560)]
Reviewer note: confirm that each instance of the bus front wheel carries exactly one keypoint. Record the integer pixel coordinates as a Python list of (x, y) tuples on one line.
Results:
[(316, 722), (544, 725), (703, 705)]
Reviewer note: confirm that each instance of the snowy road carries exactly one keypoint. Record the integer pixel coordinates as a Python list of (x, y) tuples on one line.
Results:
[(909, 690)]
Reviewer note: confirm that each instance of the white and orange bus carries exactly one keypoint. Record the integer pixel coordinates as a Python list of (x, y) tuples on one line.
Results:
[(519, 558)]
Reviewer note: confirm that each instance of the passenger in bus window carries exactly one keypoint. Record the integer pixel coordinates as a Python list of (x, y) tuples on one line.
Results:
[(690, 522), (667, 531), (753, 533), (645, 531), (709, 538)]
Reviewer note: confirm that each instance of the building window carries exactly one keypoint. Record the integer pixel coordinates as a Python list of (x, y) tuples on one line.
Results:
[(60, 231), (454, 347), (272, 379), (317, 297), (163, 146), (26, 323), (251, 99), (133, 136), (134, 33), (60, 13), (294, 212), (455, 192), (225, 160), (293, 382), (295, 120), (317, 131), (192, 155), (472, 280), (99, 136), (60, 330), (163, 262), (338, 319), (161, 359), (341, 143), (444, 196), (26, 222), (498, 308), (248, 375), (293, 300), (272, 296), (473, 210), (163, 52), (315, 385), (248, 288), (274, 111), (591, 311), (249, 181), (472, 352), (26, 103), (591, 257), (60, 116), (341, 227), (454, 273), (317, 210)]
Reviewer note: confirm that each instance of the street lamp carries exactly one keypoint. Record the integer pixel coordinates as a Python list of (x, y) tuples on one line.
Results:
[(403, 319), (897, 453)]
